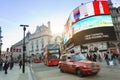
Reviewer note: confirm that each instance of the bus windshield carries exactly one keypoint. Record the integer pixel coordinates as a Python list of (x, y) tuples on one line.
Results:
[(54, 51), (52, 56)]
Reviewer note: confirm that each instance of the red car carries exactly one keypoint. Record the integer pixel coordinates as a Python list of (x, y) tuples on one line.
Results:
[(77, 63), (37, 60)]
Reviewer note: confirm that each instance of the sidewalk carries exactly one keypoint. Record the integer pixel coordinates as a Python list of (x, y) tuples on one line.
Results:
[(111, 68), (16, 74)]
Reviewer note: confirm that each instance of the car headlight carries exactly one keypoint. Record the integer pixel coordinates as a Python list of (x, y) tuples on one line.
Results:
[(85, 66)]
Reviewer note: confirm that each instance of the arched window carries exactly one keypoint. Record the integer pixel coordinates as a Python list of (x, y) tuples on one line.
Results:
[(32, 45), (37, 45), (42, 42)]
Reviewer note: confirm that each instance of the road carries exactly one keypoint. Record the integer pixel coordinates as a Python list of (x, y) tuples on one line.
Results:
[(43, 72)]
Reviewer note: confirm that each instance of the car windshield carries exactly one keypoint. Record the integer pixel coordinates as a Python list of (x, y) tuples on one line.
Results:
[(79, 57)]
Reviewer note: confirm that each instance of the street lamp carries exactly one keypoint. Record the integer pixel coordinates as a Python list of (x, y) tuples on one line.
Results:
[(0, 42), (24, 47)]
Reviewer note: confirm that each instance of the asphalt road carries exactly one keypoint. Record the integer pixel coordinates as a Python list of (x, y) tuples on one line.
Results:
[(43, 72)]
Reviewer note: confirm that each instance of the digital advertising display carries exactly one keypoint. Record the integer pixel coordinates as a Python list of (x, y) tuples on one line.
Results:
[(92, 22), (89, 18), (95, 35)]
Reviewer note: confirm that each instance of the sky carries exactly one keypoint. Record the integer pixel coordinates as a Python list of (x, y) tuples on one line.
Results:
[(13, 13)]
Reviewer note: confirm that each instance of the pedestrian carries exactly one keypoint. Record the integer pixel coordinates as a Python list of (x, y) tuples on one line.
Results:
[(94, 57), (1, 64), (11, 63), (20, 63), (114, 59), (107, 59), (91, 57), (119, 58), (99, 58), (6, 65)]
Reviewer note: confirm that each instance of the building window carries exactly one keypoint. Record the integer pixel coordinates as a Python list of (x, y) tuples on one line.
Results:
[(118, 10), (37, 45), (48, 41), (118, 18), (32, 44), (115, 27), (113, 19), (42, 42), (111, 11), (115, 11), (118, 27)]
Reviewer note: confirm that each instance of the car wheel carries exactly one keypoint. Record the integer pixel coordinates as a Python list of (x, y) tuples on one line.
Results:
[(96, 73), (61, 70), (79, 72)]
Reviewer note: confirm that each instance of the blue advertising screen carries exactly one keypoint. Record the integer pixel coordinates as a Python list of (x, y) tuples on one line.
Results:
[(92, 22)]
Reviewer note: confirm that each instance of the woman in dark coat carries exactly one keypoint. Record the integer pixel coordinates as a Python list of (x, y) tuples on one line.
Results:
[(20, 63), (107, 59), (6, 65)]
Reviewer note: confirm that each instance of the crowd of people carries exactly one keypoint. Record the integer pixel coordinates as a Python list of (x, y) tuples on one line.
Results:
[(8, 63), (110, 58)]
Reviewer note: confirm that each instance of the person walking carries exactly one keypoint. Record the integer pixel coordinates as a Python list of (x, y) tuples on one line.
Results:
[(20, 63), (94, 57), (99, 58), (114, 59), (6, 66), (119, 58), (11, 63), (1, 64), (107, 59)]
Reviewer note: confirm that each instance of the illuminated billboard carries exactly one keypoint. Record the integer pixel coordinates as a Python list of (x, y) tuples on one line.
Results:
[(89, 9), (88, 16), (92, 22)]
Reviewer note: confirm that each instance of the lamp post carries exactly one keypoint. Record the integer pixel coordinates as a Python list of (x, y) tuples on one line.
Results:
[(0, 42), (24, 47)]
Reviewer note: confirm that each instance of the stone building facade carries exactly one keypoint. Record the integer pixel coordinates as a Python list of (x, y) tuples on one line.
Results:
[(36, 42), (115, 13)]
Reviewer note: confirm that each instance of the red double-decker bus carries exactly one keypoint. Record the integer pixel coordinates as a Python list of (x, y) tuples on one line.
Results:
[(52, 54)]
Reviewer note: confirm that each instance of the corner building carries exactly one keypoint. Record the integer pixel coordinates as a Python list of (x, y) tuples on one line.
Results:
[(36, 42), (93, 28)]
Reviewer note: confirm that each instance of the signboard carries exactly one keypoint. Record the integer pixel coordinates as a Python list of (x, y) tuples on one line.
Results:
[(94, 35)]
